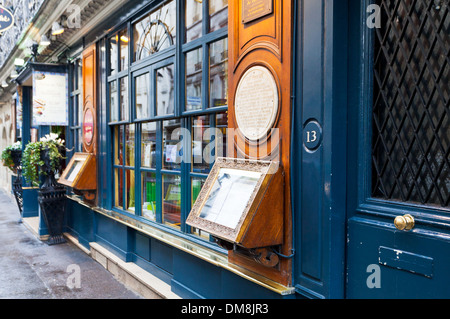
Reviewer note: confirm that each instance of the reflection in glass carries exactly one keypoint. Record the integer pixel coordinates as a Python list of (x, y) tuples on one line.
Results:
[(79, 75), (148, 195), (165, 90), (113, 103), (130, 191), (171, 208), (142, 96), (200, 141), (172, 147), (197, 185), (129, 145), (218, 73), (113, 54), (118, 158), (229, 196), (124, 109), (148, 145), (123, 38), (118, 183), (194, 80), (220, 134), (193, 17), (218, 14), (155, 32)]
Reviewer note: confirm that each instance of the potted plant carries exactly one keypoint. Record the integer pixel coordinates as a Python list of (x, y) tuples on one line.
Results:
[(11, 158), (41, 160)]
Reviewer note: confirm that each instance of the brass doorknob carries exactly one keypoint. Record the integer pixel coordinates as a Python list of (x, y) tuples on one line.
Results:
[(405, 222)]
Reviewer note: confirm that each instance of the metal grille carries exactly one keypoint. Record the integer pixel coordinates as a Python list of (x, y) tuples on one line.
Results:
[(411, 116)]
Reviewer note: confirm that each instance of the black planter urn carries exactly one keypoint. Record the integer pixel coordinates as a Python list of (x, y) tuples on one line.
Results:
[(52, 201), (16, 156)]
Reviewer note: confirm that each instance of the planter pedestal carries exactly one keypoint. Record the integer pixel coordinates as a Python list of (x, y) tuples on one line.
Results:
[(52, 200)]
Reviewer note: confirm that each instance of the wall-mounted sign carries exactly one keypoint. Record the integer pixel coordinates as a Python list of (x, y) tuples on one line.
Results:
[(256, 102), (88, 126), (255, 9), (6, 19), (50, 98)]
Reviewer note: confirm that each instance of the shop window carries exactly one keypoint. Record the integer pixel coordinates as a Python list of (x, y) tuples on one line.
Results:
[(168, 110), (74, 138), (124, 163), (193, 18), (194, 67), (155, 32), (124, 107), (218, 14), (123, 40), (165, 98), (218, 73), (113, 54), (141, 85)]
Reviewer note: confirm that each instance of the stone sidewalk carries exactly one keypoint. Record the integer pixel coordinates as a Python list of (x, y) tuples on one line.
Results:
[(30, 269)]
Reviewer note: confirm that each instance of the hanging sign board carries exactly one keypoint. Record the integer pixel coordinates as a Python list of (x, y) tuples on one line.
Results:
[(50, 98), (6, 19)]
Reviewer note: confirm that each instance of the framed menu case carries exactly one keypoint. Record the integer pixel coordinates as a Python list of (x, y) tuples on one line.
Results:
[(241, 203)]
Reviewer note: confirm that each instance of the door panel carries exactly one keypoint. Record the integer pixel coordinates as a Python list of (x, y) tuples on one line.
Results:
[(399, 162), (412, 264)]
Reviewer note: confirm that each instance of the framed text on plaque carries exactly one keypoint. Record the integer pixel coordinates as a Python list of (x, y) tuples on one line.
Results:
[(256, 102)]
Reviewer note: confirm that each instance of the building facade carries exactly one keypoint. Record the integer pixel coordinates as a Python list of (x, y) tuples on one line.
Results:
[(348, 99)]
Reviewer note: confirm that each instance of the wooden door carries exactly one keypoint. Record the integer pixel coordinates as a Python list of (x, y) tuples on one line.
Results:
[(260, 34), (89, 100)]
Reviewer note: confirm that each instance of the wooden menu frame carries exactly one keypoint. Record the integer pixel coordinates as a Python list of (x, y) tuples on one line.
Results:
[(80, 173), (259, 222)]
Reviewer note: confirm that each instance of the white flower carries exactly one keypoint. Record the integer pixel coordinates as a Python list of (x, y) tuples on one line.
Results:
[(52, 137)]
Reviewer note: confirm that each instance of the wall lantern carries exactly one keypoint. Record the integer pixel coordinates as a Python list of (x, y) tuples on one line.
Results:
[(57, 28), (44, 40)]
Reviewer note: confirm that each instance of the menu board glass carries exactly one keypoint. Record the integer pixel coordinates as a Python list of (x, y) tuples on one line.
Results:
[(229, 196)]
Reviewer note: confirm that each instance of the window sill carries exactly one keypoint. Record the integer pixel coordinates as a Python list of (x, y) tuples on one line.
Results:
[(195, 249)]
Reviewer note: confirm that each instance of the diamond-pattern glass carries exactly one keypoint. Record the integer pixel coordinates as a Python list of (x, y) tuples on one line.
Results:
[(411, 114)]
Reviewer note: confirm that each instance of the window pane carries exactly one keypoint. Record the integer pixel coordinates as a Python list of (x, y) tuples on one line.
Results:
[(165, 90), (142, 96), (171, 144), (197, 184), (118, 158), (148, 145), (118, 187), (113, 54), (218, 73), (149, 195), (194, 16), (124, 109), (129, 146), (80, 109), (113, 103), (155, 32), (218, 14), (171, 200), (130, 191), (123, 38), (220, 134), (200, 140), (194, 80)]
